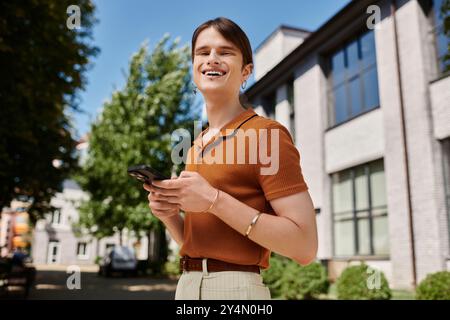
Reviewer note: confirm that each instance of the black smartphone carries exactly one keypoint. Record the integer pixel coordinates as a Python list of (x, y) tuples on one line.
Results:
[(145, 173)]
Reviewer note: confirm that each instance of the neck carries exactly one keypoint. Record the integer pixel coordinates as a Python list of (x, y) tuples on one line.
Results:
[(220, 110)]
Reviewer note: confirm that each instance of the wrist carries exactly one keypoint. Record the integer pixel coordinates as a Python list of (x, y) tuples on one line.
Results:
[(212, 199), (215, 204)]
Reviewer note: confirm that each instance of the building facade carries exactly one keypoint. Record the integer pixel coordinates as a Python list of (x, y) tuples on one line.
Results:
[(14, 228), (56, 240), (366, 98)]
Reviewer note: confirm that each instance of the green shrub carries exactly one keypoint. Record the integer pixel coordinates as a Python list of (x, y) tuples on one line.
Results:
[(436, 286), (354, 284), (273, 276), (172, 268), (287, 279), (304, 282)]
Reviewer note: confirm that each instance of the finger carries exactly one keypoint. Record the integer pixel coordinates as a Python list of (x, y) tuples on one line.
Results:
[(167, 184), (166, 192), (164, 214), (147, 187), (176, 209), (159, 197), (159, 205)]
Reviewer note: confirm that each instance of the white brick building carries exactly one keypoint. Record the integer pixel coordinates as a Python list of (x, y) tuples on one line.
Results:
[(55, 240), (370, 113)]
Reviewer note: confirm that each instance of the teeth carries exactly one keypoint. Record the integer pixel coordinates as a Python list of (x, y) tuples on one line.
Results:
[(214, 73)]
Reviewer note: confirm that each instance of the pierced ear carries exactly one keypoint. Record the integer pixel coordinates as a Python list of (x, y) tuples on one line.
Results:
[(250, 65), (248, 69)]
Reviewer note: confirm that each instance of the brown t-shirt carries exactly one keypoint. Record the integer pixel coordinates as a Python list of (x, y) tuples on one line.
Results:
[(236, 172)]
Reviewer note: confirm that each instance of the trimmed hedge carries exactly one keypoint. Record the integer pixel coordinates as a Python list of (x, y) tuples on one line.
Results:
[(287, 279), (355, 281), (436, 286)]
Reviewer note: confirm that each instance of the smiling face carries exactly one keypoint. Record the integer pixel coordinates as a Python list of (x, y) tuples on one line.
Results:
[(218, 64)]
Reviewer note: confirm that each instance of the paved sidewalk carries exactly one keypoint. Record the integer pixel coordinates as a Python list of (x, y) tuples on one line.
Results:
[(51, 283)]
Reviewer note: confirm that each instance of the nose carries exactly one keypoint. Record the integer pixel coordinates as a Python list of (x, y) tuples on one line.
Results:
[(213, 58)]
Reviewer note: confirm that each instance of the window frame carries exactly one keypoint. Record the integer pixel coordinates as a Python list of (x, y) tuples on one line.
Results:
[(445, 147), (57, 211), (437, 27), (362, 70), (84, 256), (290, 88), (269, 104), (355, 217)]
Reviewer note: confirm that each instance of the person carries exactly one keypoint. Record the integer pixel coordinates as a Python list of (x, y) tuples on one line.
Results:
[(235, 214), (19, 257)]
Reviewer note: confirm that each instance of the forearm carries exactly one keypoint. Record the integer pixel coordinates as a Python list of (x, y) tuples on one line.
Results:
[(175, 225), (276, 233)]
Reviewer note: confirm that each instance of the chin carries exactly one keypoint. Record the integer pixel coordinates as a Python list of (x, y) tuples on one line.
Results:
[(213, 89)]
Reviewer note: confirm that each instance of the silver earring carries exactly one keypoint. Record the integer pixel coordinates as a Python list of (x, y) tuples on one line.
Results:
[(195, 89), (244, 84)]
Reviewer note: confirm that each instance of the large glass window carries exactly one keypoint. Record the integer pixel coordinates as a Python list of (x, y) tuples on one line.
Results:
[(446, 167), (269, 103), (441, 11), (290, 98), (360, 211), (353, 79)]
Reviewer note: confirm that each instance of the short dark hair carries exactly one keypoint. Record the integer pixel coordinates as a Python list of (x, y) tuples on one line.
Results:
[(230, 31)]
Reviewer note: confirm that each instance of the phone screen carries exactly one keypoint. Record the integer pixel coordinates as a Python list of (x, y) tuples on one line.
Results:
[(145, 173)]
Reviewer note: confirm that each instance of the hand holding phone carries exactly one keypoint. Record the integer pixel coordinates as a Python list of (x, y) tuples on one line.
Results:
[(147, 174)]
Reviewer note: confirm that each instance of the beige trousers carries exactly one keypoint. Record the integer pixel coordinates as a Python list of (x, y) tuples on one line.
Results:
[(224, 285)]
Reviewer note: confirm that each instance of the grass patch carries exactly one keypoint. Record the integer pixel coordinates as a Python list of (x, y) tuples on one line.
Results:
[(396, 294), (402, 295)]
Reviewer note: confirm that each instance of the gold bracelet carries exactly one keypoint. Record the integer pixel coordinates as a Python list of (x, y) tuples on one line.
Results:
[(215, 199), (252, 224)]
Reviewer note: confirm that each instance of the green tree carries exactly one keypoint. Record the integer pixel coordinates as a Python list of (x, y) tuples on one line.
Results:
[(135, 127), (42, 64)]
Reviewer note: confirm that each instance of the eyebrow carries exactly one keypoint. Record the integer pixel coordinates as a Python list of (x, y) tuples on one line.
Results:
[(221, 47)]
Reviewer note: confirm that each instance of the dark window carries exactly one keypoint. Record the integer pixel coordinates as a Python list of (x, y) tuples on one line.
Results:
[(446, 167), (360, 211), (82, 249), (442, 40), (269, 103), (56, 216), (353, 79), (290, 94)]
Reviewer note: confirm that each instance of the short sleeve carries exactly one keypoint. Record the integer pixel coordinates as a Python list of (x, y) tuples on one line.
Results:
[(278, 167)]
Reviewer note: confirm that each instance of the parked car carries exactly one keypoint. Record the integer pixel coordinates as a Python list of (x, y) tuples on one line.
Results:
[(120, 259)]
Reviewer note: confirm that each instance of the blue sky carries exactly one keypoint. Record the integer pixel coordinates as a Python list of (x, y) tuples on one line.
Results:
[(124, 25)]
